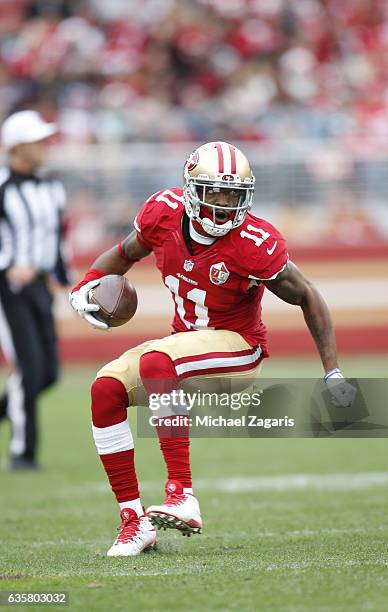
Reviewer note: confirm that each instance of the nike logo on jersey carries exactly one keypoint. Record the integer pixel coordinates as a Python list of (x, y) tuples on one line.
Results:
[(270, 251)]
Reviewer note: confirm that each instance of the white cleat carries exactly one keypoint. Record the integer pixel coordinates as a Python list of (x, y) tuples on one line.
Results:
[(136, 534), (179, 511)]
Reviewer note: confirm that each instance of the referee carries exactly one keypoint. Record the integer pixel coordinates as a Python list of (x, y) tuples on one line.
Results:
[(31, 249)]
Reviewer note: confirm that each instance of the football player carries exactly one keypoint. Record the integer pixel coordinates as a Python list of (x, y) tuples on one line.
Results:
[(216, 258)]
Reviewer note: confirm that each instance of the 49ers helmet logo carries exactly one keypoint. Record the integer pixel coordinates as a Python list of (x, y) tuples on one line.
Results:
[(192, 162), (219, 273)]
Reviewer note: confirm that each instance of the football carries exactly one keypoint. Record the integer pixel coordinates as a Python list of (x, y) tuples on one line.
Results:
[(117, 299)]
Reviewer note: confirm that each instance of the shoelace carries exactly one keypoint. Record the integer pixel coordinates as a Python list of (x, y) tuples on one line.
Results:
[(173, 499), (128, 530)]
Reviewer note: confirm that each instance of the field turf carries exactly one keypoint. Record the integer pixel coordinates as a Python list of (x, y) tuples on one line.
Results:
[(291, 525)]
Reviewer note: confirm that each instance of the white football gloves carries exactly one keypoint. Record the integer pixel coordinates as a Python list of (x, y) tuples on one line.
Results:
[(342, 393), (79, 300)]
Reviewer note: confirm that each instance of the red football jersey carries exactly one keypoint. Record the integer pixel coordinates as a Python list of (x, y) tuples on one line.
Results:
[(219, 288)]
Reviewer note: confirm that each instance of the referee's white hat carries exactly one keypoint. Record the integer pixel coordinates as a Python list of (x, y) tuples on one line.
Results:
[(24, 127)]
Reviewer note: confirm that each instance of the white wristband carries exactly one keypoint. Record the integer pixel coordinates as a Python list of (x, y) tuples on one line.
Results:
[(336, 373)]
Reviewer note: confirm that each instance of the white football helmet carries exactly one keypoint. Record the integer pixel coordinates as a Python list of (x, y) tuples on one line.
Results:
[(213, 167)]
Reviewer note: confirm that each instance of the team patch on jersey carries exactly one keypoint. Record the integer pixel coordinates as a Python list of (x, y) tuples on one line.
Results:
[(188, 265), (219, 273)]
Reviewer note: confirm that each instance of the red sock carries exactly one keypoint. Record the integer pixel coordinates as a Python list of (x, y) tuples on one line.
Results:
[(109, 408), (158, 375), (121, 472), (176, 453)]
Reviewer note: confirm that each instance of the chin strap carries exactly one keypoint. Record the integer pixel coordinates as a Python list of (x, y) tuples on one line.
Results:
[(216, 231), (200, 238)]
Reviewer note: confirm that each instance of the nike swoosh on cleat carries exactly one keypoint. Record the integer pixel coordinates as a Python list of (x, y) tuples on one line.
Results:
[(270, 251)]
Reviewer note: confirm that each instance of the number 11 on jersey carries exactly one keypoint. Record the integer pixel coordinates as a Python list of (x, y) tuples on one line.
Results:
[(194, 296)]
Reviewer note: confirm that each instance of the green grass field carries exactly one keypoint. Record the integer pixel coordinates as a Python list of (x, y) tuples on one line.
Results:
[(271, 541)]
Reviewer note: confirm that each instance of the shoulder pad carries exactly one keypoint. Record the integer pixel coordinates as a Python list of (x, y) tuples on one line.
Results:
[(261, 248), (172, 197)]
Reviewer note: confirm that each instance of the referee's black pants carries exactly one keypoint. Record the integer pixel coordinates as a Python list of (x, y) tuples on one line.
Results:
[(28, 340)]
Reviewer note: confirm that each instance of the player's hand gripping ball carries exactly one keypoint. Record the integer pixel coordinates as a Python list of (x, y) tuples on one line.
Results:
[(116, 298)]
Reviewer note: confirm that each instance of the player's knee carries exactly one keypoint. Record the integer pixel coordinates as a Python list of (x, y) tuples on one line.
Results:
[(156, 365), (157, 372), (109, 402)]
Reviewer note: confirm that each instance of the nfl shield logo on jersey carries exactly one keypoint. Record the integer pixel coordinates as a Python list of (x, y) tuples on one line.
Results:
[(219, 273), (188, 265)]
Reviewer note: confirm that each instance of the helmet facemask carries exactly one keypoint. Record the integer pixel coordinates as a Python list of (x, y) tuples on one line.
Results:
[(206, 214), (213, 168)]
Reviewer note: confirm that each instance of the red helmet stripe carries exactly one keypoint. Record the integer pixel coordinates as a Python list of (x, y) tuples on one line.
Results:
[(233, 159), (220, 158)]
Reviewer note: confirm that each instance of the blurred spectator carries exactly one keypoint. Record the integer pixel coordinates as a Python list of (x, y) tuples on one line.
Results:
[(181, 70)]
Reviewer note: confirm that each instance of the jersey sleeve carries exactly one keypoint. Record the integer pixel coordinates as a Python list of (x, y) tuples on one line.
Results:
[(268, 254), (154, 221), (146, 223)]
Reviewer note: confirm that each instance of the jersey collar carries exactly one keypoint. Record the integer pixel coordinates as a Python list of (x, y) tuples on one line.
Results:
[(194, 235)]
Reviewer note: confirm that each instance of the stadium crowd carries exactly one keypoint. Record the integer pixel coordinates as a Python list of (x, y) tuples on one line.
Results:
[(177, 70)]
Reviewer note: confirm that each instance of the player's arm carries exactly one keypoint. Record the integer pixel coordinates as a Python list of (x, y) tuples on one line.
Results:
[(117, 260), (120, 258), (294, 288)]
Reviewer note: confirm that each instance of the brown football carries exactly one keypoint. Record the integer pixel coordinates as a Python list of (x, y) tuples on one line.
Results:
[(117, 299)]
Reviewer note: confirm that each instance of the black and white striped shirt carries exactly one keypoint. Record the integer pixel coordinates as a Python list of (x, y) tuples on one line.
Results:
[(31, 223)]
